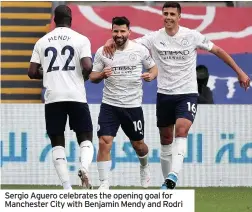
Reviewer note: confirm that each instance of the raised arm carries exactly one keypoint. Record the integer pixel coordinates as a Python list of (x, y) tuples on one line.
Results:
[(146, 40), (203, 43), (223, 55)]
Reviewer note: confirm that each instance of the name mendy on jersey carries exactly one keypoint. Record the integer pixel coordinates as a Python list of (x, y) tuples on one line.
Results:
[(59, 37), (176, 55), (123, 69)]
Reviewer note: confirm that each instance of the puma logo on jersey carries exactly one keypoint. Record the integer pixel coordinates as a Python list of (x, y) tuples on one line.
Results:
[(162, 43)]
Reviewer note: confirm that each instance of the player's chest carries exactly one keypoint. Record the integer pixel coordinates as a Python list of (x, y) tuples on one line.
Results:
[(124, 59), (128, 65), (173, 48)]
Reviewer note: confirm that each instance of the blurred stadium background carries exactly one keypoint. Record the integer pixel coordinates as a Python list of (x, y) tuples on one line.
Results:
[(219, 144), (228, 24)]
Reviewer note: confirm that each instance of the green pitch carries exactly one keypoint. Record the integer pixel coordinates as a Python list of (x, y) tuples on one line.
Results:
[(211, 199)]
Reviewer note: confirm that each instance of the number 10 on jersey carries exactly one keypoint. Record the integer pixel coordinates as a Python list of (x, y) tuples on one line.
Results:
[(138, 125)]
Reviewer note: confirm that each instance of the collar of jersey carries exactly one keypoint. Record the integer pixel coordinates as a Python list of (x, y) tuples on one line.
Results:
[(130, 43)]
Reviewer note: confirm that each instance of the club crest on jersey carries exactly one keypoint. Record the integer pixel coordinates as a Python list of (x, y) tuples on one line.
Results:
[(133, 57), (184, 42)]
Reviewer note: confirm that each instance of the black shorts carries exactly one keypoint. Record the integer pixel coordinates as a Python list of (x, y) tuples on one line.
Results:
[(56, 117), (130, 119), (171, 107)]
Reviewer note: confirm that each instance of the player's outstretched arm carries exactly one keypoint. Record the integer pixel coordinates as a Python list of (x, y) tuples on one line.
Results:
[(87, 67), (242, 76), (34, 71), (151, 74), (110, 48)]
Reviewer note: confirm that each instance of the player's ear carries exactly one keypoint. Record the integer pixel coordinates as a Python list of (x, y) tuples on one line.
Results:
[(179, 17), (129, 31)]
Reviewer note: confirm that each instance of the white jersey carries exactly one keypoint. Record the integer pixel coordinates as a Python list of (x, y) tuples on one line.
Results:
[(59, 52), (124, 87), (175, 57)]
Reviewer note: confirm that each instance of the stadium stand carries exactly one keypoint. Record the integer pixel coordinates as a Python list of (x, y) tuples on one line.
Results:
[(23, 23)]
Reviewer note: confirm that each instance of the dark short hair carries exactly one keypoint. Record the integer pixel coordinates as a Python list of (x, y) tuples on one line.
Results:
[(62, 15), (172, 4), (202, 72), (120, 21)]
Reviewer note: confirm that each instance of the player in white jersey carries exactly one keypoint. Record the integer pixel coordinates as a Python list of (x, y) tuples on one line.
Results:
[(174, 51), (122, 98), (65, 58)]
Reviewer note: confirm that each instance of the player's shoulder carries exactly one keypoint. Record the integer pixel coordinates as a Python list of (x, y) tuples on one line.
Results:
[(46, 37), (189, 35), (99, 54), (187, 31), (138, 46), (77, 37), (99, 50), (43, 39), (80, 36), (157, 33)]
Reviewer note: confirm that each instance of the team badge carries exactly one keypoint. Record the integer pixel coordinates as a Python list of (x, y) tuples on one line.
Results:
[(132, 57)]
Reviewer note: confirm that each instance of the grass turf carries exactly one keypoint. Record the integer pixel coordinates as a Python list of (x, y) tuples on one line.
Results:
[(210, 199)]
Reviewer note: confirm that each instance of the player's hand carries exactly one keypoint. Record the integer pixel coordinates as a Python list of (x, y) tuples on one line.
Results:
[(109, 48), (244, 80), (107, 72), (147, 76)]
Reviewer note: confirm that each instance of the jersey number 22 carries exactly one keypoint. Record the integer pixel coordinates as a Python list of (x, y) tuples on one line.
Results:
[(63, 52)]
